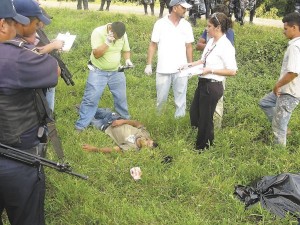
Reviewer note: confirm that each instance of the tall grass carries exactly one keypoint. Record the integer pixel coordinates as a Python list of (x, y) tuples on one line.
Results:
[(192, 189)]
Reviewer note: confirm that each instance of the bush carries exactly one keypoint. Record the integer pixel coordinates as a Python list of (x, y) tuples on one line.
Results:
[(262, 12)]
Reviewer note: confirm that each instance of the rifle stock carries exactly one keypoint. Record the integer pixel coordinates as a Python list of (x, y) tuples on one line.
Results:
[(34, 160)]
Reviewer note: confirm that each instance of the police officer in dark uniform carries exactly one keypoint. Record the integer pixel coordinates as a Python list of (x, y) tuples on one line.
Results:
[(23, 73), (238, 7), (162, 5)]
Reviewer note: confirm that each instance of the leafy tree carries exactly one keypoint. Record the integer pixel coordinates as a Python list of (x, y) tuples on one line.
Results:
[(282, 6)]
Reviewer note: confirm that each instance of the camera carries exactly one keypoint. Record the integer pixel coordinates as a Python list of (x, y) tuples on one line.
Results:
[(124, 67)]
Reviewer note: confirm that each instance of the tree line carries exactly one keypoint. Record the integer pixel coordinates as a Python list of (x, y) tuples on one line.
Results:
[(273, 8)]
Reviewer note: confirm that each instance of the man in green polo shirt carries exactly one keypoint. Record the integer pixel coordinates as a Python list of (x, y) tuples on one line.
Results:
[(109, 44)]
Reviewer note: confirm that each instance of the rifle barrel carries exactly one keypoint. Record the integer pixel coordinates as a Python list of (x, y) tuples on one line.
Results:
[(35, 160)]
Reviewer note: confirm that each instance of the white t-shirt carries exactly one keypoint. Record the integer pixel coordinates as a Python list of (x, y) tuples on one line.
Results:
[(171, 42), (219, 56), (291, 63)]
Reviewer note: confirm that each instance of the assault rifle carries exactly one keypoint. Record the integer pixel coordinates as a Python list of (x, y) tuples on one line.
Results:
[(65, 73), (34, 160)]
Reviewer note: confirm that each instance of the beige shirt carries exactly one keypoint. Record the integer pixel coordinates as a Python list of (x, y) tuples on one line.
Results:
[(291, 63), (125, 135)]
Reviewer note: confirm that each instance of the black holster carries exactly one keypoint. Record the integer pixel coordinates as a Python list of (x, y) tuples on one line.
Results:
[(39, 150)]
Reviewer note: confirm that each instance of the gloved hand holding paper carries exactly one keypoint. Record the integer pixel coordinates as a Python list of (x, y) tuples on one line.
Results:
[(68, 40)]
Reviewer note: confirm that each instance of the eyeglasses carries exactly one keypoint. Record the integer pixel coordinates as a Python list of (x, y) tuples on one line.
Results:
[(215, 16)]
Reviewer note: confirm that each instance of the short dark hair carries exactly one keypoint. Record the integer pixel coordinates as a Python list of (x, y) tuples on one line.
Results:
[(292, 19), (222, 9), (118, 28)]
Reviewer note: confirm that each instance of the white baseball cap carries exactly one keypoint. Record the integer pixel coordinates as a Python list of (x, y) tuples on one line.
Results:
[(183, 3)]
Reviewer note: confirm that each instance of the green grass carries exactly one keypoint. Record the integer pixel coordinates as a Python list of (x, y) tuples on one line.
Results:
[(194, 188)]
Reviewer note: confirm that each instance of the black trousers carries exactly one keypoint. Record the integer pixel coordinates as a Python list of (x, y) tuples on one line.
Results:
[(103, 3), (84, 3), (202, 110), (22, 193), (162, 4), (151, 7)]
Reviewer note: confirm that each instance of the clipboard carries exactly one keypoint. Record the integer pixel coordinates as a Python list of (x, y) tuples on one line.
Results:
[(68, 39), (192, 71)]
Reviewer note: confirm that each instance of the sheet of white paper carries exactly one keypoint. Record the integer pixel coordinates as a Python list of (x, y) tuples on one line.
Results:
[(68, 39), (192, 71)]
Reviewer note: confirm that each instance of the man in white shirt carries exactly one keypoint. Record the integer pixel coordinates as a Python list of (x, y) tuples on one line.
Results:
[(279, 104), (172, 36)]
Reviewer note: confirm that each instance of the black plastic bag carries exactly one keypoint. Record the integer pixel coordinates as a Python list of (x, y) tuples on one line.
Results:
[(279, 194)]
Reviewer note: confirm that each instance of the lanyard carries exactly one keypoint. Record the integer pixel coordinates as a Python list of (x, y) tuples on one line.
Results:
[(207, 54)]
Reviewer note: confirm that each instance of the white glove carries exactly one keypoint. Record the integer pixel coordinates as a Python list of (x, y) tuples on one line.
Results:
[(185, 66), (128, 63), (148, 70), (110, 38)]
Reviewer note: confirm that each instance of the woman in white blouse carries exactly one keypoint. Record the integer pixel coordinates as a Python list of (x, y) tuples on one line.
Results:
[(218, 61)]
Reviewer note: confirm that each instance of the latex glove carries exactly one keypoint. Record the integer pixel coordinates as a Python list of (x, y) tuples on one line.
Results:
[(128, 63), (185, 66), (110, 38), (57, 44), (148, 70)]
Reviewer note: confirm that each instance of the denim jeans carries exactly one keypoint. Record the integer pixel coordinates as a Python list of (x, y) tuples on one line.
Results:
[(179, 84), (96, 83), (50, 96), (104, 118), (279, 111)]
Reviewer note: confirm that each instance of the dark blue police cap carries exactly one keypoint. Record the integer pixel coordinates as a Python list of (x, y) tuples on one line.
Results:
[(30, 8), (7, 10)]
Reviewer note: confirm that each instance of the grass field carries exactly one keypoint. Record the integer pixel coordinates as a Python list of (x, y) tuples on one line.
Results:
[(194, 188)]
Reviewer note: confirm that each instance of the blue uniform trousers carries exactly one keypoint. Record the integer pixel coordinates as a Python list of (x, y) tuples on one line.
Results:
[(22, 192)]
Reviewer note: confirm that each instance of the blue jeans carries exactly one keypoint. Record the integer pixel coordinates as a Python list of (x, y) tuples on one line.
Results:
[(95, 85), (163, 84), (50, 96), (104, 118), (279, 111)]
